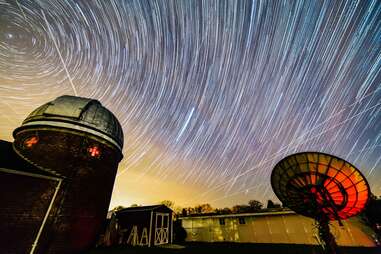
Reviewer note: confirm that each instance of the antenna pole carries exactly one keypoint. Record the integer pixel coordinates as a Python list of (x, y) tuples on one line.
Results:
[(329, 243)]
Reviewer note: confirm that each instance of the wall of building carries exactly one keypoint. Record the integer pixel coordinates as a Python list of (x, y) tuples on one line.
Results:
[(140, 226), (74, 219), (128, 220), (284, 228), (25, 201)]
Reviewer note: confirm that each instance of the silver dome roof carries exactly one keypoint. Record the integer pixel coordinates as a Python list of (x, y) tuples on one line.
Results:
[(80, 114)]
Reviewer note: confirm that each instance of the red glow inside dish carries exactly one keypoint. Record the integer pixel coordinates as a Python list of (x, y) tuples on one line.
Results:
[(312, 183)]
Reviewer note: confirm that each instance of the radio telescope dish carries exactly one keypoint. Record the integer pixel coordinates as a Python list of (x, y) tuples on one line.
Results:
[(320, 185), (323, 187)]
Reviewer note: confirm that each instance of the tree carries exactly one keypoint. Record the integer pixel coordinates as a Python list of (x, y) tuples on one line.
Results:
[(197, 209), (255, 205), (225, 210), (241, 209), (187, 211), (203, 208), (206, 208), (178, 210), (134, 205), (179, 232), (270, 204), (118, 208), (168, 203)]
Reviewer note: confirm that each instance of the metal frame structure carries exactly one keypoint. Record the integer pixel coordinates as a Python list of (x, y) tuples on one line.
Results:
[(321, 186)]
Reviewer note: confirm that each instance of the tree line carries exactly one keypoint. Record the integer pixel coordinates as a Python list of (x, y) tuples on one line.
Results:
[(251, 206)]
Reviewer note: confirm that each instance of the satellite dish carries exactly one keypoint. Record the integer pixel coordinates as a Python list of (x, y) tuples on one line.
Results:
[(320, 186)]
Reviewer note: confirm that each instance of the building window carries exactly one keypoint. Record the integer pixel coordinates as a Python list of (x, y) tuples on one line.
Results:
[(222, 221), (241, 220)]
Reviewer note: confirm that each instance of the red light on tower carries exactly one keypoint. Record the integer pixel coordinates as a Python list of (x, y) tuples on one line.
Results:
[(94, 151), (30, 142)]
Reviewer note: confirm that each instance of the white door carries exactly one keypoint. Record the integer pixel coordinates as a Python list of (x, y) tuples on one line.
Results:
[(161, 228)]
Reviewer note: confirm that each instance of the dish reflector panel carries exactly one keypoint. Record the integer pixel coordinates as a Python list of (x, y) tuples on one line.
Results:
[(317, 185)]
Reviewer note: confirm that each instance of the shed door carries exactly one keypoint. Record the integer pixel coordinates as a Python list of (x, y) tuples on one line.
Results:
[(161, 228)]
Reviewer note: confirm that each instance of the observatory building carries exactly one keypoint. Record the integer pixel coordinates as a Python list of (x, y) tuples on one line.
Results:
[(57, 177)]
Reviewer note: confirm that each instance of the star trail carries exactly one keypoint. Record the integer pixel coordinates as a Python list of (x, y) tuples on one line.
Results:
[(210, 94)]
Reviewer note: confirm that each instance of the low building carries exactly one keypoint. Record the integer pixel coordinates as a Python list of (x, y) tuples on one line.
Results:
[(141, 225), (284, 227)]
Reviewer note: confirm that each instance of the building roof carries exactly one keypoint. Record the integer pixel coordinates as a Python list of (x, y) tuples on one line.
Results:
[(79, 114), (143, 208), (204, 216)]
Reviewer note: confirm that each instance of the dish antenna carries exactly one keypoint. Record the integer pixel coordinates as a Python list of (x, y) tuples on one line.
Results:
[(323, 187)]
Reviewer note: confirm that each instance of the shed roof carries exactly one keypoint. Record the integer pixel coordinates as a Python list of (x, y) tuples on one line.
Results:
[(143, 208)]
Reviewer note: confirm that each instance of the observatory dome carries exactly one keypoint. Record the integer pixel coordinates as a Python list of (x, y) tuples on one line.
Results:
[(77, 114)]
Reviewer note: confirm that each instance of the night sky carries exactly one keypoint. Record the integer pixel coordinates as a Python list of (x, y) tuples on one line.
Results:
[(210, 94)]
